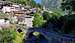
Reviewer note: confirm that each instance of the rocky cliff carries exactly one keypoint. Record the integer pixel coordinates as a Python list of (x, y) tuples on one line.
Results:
[(51, 4)]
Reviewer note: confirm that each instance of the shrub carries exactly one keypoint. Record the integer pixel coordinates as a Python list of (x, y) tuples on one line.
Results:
[(38, 20), (10, 36), (54, 15)]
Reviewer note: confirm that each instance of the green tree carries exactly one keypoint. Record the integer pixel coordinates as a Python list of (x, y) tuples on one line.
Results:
[(46, 15), (32, 3), (54, 15), (18, 1), (38, 20), (10, 36), (51, 17), (24, 2), (18, 38)]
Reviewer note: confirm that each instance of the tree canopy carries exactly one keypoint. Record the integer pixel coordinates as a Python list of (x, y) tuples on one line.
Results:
[(54, 15), (38, 20), (32, 3), (10, 36)]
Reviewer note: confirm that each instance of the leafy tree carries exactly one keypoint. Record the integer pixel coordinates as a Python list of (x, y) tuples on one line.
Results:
[(54, 15), (52, 18), (46, 15), (38, 20), (19, 38), (32, 3), (10, 36)]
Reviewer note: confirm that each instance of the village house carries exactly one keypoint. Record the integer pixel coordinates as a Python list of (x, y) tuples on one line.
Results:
[(7, 9), (28, 21), (20, 14), (5, 3), (23, 18)]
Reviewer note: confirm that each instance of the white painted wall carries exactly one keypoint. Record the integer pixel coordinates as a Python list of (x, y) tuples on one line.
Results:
[(28, 22), (9, 9), (6, 9), (2, 22)]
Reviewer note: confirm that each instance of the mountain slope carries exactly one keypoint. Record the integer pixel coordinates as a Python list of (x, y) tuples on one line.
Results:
[(51, 4)]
